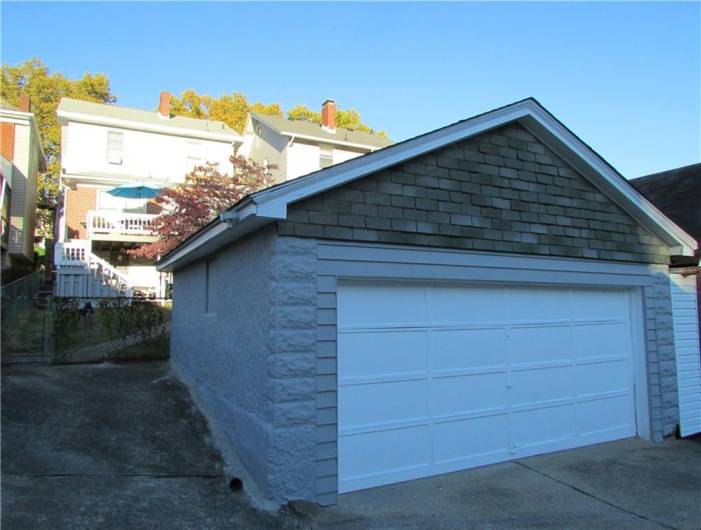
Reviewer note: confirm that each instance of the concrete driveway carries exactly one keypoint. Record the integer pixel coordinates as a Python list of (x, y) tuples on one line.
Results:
[(122, 446)]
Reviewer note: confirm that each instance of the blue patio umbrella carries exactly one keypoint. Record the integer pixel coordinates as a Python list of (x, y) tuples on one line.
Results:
[(135, 190)]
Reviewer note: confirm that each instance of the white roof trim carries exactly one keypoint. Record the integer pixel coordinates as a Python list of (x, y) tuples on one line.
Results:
[(320, 140), (21, 117), (272, 203), (141, 126), (317, 139)]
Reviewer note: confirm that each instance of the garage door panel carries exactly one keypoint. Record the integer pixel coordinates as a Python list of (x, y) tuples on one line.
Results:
[(476, 374), (470, 439), (542, 425), (540, 304), (601, 340), (599, 304), (382, 353), (540, 386), (603, 377), (467, 349), (539, 344), (468, 394), (381, 452), (377, 305), (377, 404), (601, 415), (454, 304)]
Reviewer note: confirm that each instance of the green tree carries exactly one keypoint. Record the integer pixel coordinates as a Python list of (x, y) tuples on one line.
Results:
[(45, 89)]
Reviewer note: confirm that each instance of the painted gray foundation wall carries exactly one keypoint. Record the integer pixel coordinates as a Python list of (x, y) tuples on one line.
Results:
[(250, 361), (222, 355)]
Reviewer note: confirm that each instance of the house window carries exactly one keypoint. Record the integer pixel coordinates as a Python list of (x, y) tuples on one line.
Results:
[(194, 153), (325, 157), (208, 288), (115, 147)]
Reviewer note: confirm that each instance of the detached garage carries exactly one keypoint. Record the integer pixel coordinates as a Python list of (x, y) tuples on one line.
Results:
[(485, 292)]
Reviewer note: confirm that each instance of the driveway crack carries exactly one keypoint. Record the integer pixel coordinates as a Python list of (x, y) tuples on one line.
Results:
[(594, 497)]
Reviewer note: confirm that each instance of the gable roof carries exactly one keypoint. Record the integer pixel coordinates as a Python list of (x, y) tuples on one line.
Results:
[(270, 204), (90, 112), (314, 131), (677, 193)]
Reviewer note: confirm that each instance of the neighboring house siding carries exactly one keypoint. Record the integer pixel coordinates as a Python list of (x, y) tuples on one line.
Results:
[(144, 154), (268, 146), (248, 361), (341, 155), (302, 158), (78, 203), (23, 194), (501, 191)]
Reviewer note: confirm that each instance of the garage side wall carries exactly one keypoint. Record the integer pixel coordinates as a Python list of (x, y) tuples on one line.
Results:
[(220, 346)]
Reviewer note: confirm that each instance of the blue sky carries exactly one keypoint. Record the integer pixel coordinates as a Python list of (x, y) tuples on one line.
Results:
[(626, 77)]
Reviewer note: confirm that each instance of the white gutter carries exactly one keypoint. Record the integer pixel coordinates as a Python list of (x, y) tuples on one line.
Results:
[(331, 141)]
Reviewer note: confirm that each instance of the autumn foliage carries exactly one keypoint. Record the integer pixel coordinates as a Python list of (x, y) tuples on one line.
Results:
[(205, 193)]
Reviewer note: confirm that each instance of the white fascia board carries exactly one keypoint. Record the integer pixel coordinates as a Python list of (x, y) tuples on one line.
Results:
[(107, 180), (218, 235), (140, 126), (321, 140), (612, 182)]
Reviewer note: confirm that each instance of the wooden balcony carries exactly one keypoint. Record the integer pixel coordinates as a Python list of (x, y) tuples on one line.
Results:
[(104, 225)]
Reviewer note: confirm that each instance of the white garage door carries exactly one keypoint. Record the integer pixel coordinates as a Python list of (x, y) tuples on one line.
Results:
[(437, 378)]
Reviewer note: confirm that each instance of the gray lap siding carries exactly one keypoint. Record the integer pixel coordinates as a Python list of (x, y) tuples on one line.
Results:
[(501, 191)]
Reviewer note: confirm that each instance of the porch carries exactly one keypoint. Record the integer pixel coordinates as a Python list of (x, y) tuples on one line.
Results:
[(107, 225)]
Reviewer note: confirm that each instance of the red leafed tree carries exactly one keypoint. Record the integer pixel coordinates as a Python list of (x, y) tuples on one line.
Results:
[(205, 193)]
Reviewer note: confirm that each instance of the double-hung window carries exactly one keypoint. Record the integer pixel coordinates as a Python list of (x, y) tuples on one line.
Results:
[(115, 147)]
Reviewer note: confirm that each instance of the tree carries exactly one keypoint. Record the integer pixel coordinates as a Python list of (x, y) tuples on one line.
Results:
[(348, 119), (205, 193), (231, 109), (304, 113), (45, 90)]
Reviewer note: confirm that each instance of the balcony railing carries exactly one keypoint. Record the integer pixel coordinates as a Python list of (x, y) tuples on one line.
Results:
[(102, 222)]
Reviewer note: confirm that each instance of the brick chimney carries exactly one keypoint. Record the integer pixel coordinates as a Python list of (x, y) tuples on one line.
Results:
[(24, 104), (328, 114), (164, 105)]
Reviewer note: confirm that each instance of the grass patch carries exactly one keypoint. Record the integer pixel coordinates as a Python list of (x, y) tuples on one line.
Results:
[(155, 349)]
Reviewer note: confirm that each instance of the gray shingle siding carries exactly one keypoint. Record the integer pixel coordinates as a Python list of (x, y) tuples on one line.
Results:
[(502, 191)]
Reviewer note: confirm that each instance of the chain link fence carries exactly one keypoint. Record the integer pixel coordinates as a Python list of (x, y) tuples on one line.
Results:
[(76, 329)]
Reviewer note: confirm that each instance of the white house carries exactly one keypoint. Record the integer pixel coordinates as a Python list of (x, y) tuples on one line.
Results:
[(103, 146), (300, 147)]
